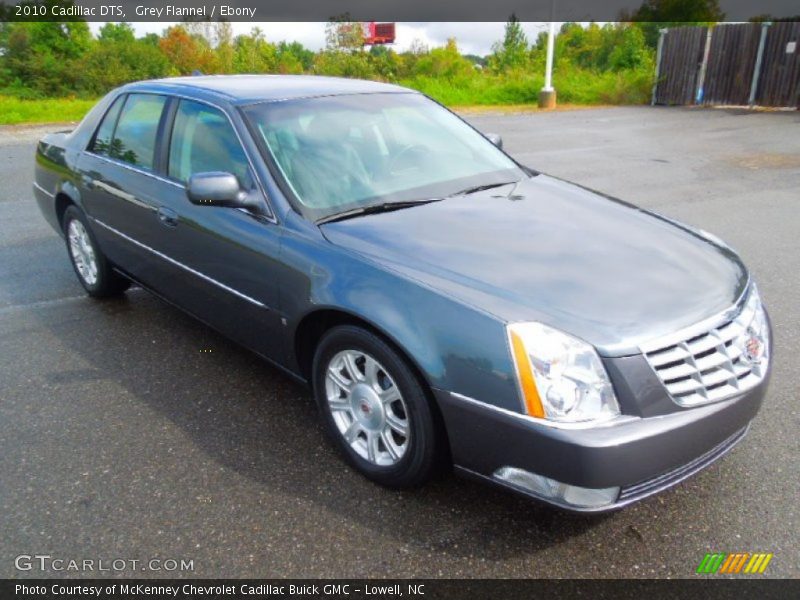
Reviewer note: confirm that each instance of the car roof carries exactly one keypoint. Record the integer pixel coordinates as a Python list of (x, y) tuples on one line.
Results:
[(248, 89)]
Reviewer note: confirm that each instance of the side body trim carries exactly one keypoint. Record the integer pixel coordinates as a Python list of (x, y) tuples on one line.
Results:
[(44, 191), (181, 265)]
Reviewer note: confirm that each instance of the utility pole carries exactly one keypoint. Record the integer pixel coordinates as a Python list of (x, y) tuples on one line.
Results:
[(547, 95)]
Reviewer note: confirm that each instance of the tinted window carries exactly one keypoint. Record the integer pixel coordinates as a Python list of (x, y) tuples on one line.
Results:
[(202, 141), (135, 137), (102, 140)]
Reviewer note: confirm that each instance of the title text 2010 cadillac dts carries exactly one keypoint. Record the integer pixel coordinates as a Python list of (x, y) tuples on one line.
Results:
[(446, 305)]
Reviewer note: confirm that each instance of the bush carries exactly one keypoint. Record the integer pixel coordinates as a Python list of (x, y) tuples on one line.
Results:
[(611, 64), (574, 86)]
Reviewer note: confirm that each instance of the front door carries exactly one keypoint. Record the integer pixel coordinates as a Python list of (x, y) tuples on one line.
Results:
[(225, 261)]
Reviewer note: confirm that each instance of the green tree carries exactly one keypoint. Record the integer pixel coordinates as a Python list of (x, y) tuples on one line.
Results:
[(653, 15), (343, 64), (512, 52), (40, 58), (224, 49), (629, 50), (385, 63), (151, 39), (579, 46), (612, 47), (121, 33), (294, 58), (253, 54), (444, 62), (117, 57)]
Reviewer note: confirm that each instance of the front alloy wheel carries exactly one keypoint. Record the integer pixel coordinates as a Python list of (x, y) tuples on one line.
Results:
[(376, 409), (367, 407)]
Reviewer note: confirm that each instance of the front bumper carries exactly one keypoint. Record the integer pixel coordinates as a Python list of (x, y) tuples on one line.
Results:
[(642, 456)]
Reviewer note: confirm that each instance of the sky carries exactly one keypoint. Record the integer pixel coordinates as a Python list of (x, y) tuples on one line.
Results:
[(473, 38)]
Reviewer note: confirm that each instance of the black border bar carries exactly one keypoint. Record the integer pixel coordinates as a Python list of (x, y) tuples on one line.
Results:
[(706, 587)]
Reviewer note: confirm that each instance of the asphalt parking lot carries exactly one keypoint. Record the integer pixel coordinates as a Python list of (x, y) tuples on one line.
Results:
[(128, 430)]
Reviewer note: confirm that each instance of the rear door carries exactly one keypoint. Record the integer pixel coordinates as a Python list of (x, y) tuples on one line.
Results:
[(120, 185)]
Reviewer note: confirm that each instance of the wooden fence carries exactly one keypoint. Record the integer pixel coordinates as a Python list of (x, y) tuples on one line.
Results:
[(730, 64)]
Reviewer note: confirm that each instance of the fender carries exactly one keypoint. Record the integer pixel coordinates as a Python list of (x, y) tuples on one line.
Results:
[(455, 347), (69, 189)]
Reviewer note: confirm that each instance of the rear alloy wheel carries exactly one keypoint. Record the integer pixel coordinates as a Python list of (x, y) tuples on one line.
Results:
[(375, 408), (82, 252), (92, 268)]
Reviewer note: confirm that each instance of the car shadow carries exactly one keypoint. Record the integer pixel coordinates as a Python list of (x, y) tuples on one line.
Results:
[(253, 419)]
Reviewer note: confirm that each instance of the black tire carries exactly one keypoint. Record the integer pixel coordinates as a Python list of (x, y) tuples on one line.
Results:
[(106, 282), (423, 456)]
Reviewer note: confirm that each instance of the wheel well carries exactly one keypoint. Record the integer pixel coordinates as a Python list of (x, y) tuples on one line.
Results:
[(313, 326), (62, 203), (311, 329)]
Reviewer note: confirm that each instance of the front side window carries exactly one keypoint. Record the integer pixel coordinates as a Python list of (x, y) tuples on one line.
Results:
[(338, 153), (203, 140), (134, 140)]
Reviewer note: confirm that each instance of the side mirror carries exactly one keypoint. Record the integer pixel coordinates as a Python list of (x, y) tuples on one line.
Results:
[(495, 139), (217, 188)]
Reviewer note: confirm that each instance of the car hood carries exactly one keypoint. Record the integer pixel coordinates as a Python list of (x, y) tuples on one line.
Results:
[(547, 250)]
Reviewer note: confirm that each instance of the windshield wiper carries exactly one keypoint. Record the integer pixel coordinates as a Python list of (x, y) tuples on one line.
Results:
[(480, 188), (373, 209)]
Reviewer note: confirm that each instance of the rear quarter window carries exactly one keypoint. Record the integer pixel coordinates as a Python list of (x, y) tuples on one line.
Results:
[(103, 137)]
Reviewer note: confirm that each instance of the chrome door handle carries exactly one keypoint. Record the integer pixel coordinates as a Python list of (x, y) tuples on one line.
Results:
[(167, 216)]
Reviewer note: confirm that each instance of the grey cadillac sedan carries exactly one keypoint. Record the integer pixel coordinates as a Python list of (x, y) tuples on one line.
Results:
[(446, 305)]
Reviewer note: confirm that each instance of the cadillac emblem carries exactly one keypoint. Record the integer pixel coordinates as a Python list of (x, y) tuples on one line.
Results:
[(753, 348)]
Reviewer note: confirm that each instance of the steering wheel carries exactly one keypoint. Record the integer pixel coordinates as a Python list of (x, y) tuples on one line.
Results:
[(407, 152)]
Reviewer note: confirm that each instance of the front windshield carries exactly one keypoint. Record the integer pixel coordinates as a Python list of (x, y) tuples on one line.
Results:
[(339, 153)]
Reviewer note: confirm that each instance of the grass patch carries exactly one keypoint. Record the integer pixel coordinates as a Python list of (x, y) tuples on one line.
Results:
[(14, 111), (516, 109), (519, 89), (574, 86)]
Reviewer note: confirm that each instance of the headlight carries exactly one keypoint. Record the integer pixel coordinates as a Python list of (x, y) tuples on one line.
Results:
[(560, 377)]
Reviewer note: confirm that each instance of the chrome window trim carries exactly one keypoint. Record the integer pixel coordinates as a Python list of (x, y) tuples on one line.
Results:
[(181, 265), (133, 168), (44, 191), (270, 217)]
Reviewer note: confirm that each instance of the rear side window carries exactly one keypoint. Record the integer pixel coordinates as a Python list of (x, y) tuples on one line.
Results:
[(134, 139), (203, 140), (102, 140)]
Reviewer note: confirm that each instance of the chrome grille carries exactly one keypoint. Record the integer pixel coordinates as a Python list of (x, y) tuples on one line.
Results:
[(708, 366)]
